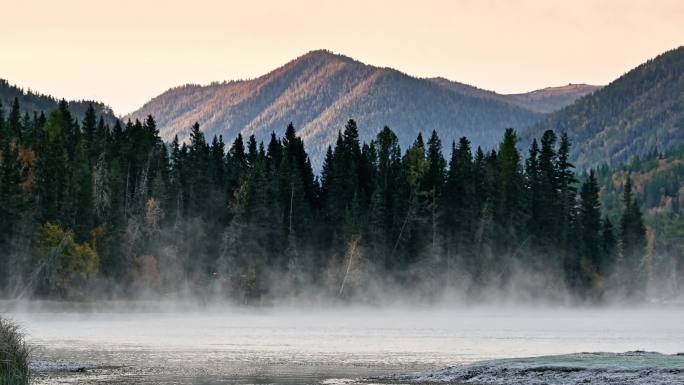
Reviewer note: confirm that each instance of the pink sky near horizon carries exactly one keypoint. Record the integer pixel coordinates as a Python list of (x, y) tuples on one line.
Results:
[(125, 52)]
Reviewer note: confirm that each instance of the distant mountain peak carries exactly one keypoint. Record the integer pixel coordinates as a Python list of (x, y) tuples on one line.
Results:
[(543, 101), (323, 53), (325, 56), (565, 89), (320, 90)]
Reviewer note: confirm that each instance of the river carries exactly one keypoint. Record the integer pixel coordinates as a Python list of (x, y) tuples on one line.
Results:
[(310, 345)]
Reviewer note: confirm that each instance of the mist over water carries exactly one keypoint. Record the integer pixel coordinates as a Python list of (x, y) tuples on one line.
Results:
[(279, 345)]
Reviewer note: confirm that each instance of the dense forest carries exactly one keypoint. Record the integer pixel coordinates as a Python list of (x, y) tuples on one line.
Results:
[(35, 102), (657, 181), (90, 210)]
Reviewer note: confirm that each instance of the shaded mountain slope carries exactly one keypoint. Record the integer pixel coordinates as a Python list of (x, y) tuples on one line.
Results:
[(638, 113)]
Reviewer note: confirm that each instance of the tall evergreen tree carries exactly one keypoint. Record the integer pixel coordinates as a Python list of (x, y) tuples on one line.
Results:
[(535, 201), (385, 206), (462, 206), (633, 244), (53, 166), (548, 194), (89, 131), (589, 280), (252, 150), (608, 249), (14, 126), (566, 190), (510, 205), (198, 164)]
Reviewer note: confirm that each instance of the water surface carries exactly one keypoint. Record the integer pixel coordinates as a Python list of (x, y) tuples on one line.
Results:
[(226, 345)]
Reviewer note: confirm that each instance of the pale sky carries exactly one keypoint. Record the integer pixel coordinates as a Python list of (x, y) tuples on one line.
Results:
[(125, 52)]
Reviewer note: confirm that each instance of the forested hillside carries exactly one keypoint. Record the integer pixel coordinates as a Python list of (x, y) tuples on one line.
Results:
[(36, 103), (658, 184), (320, 91), (637, 114), (92, 210)]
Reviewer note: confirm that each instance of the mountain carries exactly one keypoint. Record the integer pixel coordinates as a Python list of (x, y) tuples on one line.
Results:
[(638, 113), (320, 91), (543, 101), (31, 102), (551, 99)]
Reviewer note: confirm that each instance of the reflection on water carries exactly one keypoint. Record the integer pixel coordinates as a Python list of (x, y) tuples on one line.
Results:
[(305, 346)]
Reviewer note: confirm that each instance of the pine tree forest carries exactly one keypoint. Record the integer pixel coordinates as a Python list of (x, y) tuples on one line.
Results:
[(93, 210)]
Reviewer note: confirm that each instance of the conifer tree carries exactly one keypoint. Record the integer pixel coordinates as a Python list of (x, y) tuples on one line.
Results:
[(89, 131), (567, 194), (436, 172), (217, 166), (412, 235), (384, 212), (589, 280), (633, 244), (535, 203), (14, 126), (52, 166), (3, 133), (252, 150), (608, 249), (343, 189), (11, 194), (80, 194), (548, 191), (236, 165), (198, 163), (175, 208), (510, 203), (462, 206)]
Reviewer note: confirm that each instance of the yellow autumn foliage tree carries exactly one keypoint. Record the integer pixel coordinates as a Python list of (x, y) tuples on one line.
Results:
[(71, 266)]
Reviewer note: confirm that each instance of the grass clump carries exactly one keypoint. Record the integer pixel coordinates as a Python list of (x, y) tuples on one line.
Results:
[(14, 355)]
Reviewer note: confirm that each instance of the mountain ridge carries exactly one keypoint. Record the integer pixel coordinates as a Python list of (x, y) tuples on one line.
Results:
[(320, 90), (639, 112), (31, 101), (550, 99), (543, 100)]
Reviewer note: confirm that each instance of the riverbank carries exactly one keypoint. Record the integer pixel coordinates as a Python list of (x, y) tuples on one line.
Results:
[(629, 368)]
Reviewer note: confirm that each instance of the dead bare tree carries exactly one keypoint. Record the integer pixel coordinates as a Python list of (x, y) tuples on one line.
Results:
[(351, 257)]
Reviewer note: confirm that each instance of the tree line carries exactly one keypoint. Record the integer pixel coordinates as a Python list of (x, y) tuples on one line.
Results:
[(89, 209)]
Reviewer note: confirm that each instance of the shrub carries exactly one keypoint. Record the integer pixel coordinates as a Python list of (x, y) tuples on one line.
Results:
[(14, 355)]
